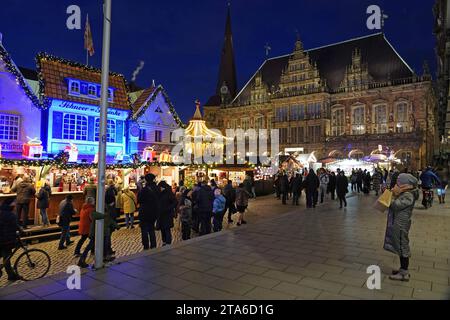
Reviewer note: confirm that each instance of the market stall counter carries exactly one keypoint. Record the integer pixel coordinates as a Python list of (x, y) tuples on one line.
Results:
[(55, 200)]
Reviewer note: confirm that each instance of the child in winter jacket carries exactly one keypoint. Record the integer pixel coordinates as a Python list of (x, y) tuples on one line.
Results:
[(218, 210)]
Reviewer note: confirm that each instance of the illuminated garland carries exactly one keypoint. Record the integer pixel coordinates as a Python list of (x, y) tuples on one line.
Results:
[(12, 68), (61, 164), (172, 110), (47, 57)]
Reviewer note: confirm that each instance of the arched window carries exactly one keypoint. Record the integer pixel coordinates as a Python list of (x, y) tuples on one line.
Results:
[(401, 117), (74, 87)]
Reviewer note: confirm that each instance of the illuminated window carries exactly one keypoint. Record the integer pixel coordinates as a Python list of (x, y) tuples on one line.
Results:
[(380, 119), (358, 115), (111, 95), (75, 127), (401, 117), (74, 87), (92, 90), (9, 127), (110, 130), (338, 122)]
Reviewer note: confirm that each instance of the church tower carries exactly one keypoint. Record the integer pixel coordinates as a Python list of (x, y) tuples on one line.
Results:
[(226, 89)]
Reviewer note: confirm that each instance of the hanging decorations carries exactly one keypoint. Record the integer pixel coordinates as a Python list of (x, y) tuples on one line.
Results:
[(12, 68)]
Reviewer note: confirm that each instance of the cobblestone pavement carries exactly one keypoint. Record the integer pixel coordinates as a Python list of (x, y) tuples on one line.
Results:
[(300, 254), (128, 242)]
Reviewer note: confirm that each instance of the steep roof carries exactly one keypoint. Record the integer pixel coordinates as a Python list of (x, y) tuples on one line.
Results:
[(54, 71), (12, 68), (332, 60), (147, 97)]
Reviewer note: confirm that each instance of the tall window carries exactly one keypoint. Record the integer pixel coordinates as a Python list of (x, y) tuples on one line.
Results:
[(338, 122), (259, 123), (158, 136), (142, 135), (380, 119), (314, 135), (282, 114), (110, 130), (294, 135), (401, 117), (294, 113), (75, 127), (9, 127), (358, 115), (314, 110), (284, 135), (245, 124)]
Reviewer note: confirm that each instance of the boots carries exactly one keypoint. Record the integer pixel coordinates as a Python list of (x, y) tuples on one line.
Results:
[(400, 275)]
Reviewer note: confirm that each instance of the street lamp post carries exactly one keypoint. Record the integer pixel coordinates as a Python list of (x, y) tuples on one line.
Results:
[(99, 226)]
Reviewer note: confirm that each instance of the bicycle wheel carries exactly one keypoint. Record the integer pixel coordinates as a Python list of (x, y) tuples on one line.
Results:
[(32, 264)]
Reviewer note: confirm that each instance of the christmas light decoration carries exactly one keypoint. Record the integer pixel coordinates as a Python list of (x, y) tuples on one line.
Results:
[(12, 68)]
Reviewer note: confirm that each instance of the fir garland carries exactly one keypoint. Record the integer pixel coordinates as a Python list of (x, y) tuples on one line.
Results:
[(12, 68)]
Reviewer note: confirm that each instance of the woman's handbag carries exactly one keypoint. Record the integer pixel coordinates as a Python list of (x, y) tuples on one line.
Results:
[(384, 201)]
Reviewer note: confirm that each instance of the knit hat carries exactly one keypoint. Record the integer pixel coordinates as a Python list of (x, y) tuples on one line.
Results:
[(406, 178)]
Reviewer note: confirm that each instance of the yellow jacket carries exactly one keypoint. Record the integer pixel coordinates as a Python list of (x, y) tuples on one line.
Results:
[(129, 202)]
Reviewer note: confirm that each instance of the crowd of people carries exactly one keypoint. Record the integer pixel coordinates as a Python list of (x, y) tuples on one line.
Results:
[(200, 210), (325, 184)]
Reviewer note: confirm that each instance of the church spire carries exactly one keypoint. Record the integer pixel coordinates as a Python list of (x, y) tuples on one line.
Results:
[(227, 82)]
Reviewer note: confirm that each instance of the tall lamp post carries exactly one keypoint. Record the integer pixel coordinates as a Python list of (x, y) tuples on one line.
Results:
[(99, 226)]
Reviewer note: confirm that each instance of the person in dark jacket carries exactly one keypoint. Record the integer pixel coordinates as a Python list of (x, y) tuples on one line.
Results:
[(195, 213), (342, 188), (276, 184), (43, 202), (284, 188), (230, 195), (405, 194), (296, 189), (168, 203), (66, 211), (332, 185), (394, 178), (110, 200), (149, 210), (204, 199), (367, 182), (25, 192), (8, 236), (312, 184), (359, 180), (186, 214)]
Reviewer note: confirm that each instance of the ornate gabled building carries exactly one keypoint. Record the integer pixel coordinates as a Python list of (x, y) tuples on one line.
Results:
[(341, 100)]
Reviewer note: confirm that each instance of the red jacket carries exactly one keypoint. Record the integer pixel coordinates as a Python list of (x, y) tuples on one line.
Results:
[(85, 219)]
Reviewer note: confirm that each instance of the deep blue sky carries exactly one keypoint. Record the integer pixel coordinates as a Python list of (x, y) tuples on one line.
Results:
[(180, 41)]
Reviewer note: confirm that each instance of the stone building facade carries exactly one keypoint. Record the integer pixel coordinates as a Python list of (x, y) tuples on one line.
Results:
[(346, 100)]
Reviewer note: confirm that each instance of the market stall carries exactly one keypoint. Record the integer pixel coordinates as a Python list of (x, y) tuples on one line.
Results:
[(347, 165)]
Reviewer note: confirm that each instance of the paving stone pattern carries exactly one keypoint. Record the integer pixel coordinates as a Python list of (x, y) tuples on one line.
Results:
[(284, 252)]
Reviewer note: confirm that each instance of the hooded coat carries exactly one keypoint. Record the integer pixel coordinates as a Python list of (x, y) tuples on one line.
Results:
[(399, 223)]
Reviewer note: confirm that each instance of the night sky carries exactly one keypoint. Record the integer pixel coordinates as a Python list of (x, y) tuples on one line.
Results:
[(180, 41)]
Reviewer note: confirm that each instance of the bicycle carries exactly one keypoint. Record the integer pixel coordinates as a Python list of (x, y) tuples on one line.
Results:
[(32, 264)]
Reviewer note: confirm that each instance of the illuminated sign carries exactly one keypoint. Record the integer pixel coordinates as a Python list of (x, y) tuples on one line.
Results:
[(85, 108), (11, 146)]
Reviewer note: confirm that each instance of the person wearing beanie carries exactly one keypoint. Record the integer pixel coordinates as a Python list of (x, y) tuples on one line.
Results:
[(405, 194)]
